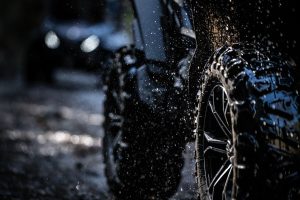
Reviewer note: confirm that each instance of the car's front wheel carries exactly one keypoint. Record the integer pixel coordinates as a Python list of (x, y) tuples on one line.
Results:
[(247, 135)]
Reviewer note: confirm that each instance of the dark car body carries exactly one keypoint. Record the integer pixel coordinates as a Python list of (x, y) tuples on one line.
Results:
[(73, 34)]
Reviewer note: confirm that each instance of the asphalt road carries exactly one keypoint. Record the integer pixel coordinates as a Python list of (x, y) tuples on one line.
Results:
[(51, 142)]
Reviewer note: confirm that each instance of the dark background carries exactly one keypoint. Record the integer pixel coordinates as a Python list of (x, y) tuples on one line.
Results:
[(18, 19)]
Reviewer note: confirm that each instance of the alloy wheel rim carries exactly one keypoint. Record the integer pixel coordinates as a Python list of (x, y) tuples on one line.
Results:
[(217, 144)]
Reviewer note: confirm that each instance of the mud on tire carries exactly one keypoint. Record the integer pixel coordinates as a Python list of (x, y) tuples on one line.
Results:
[(247, 135)]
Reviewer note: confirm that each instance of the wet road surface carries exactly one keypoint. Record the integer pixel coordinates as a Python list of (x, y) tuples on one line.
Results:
[(51, 142)]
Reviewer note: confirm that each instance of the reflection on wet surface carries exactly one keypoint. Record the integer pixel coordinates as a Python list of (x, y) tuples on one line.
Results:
[(51, 142)]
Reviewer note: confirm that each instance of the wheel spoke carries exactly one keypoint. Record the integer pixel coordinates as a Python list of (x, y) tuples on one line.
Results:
[(223, 102), (219, 120), (226, 184), (220, 174), (212, 140), (214, 145), (221, 112), (225, 107), (215, 149)]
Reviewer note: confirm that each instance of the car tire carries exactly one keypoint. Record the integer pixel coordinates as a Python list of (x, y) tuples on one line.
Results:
[(247, 127), (142, 160)]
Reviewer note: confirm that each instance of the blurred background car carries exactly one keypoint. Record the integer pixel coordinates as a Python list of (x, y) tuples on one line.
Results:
[(73, 34)]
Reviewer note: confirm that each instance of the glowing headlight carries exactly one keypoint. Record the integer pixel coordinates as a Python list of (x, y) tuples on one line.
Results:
[(51, 40), (90, 44)]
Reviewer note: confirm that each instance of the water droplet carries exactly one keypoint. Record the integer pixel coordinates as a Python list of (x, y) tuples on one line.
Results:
[(78, 186)]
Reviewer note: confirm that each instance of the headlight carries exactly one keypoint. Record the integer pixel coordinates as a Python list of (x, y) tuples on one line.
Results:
[(51, 40), (90, 44)]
